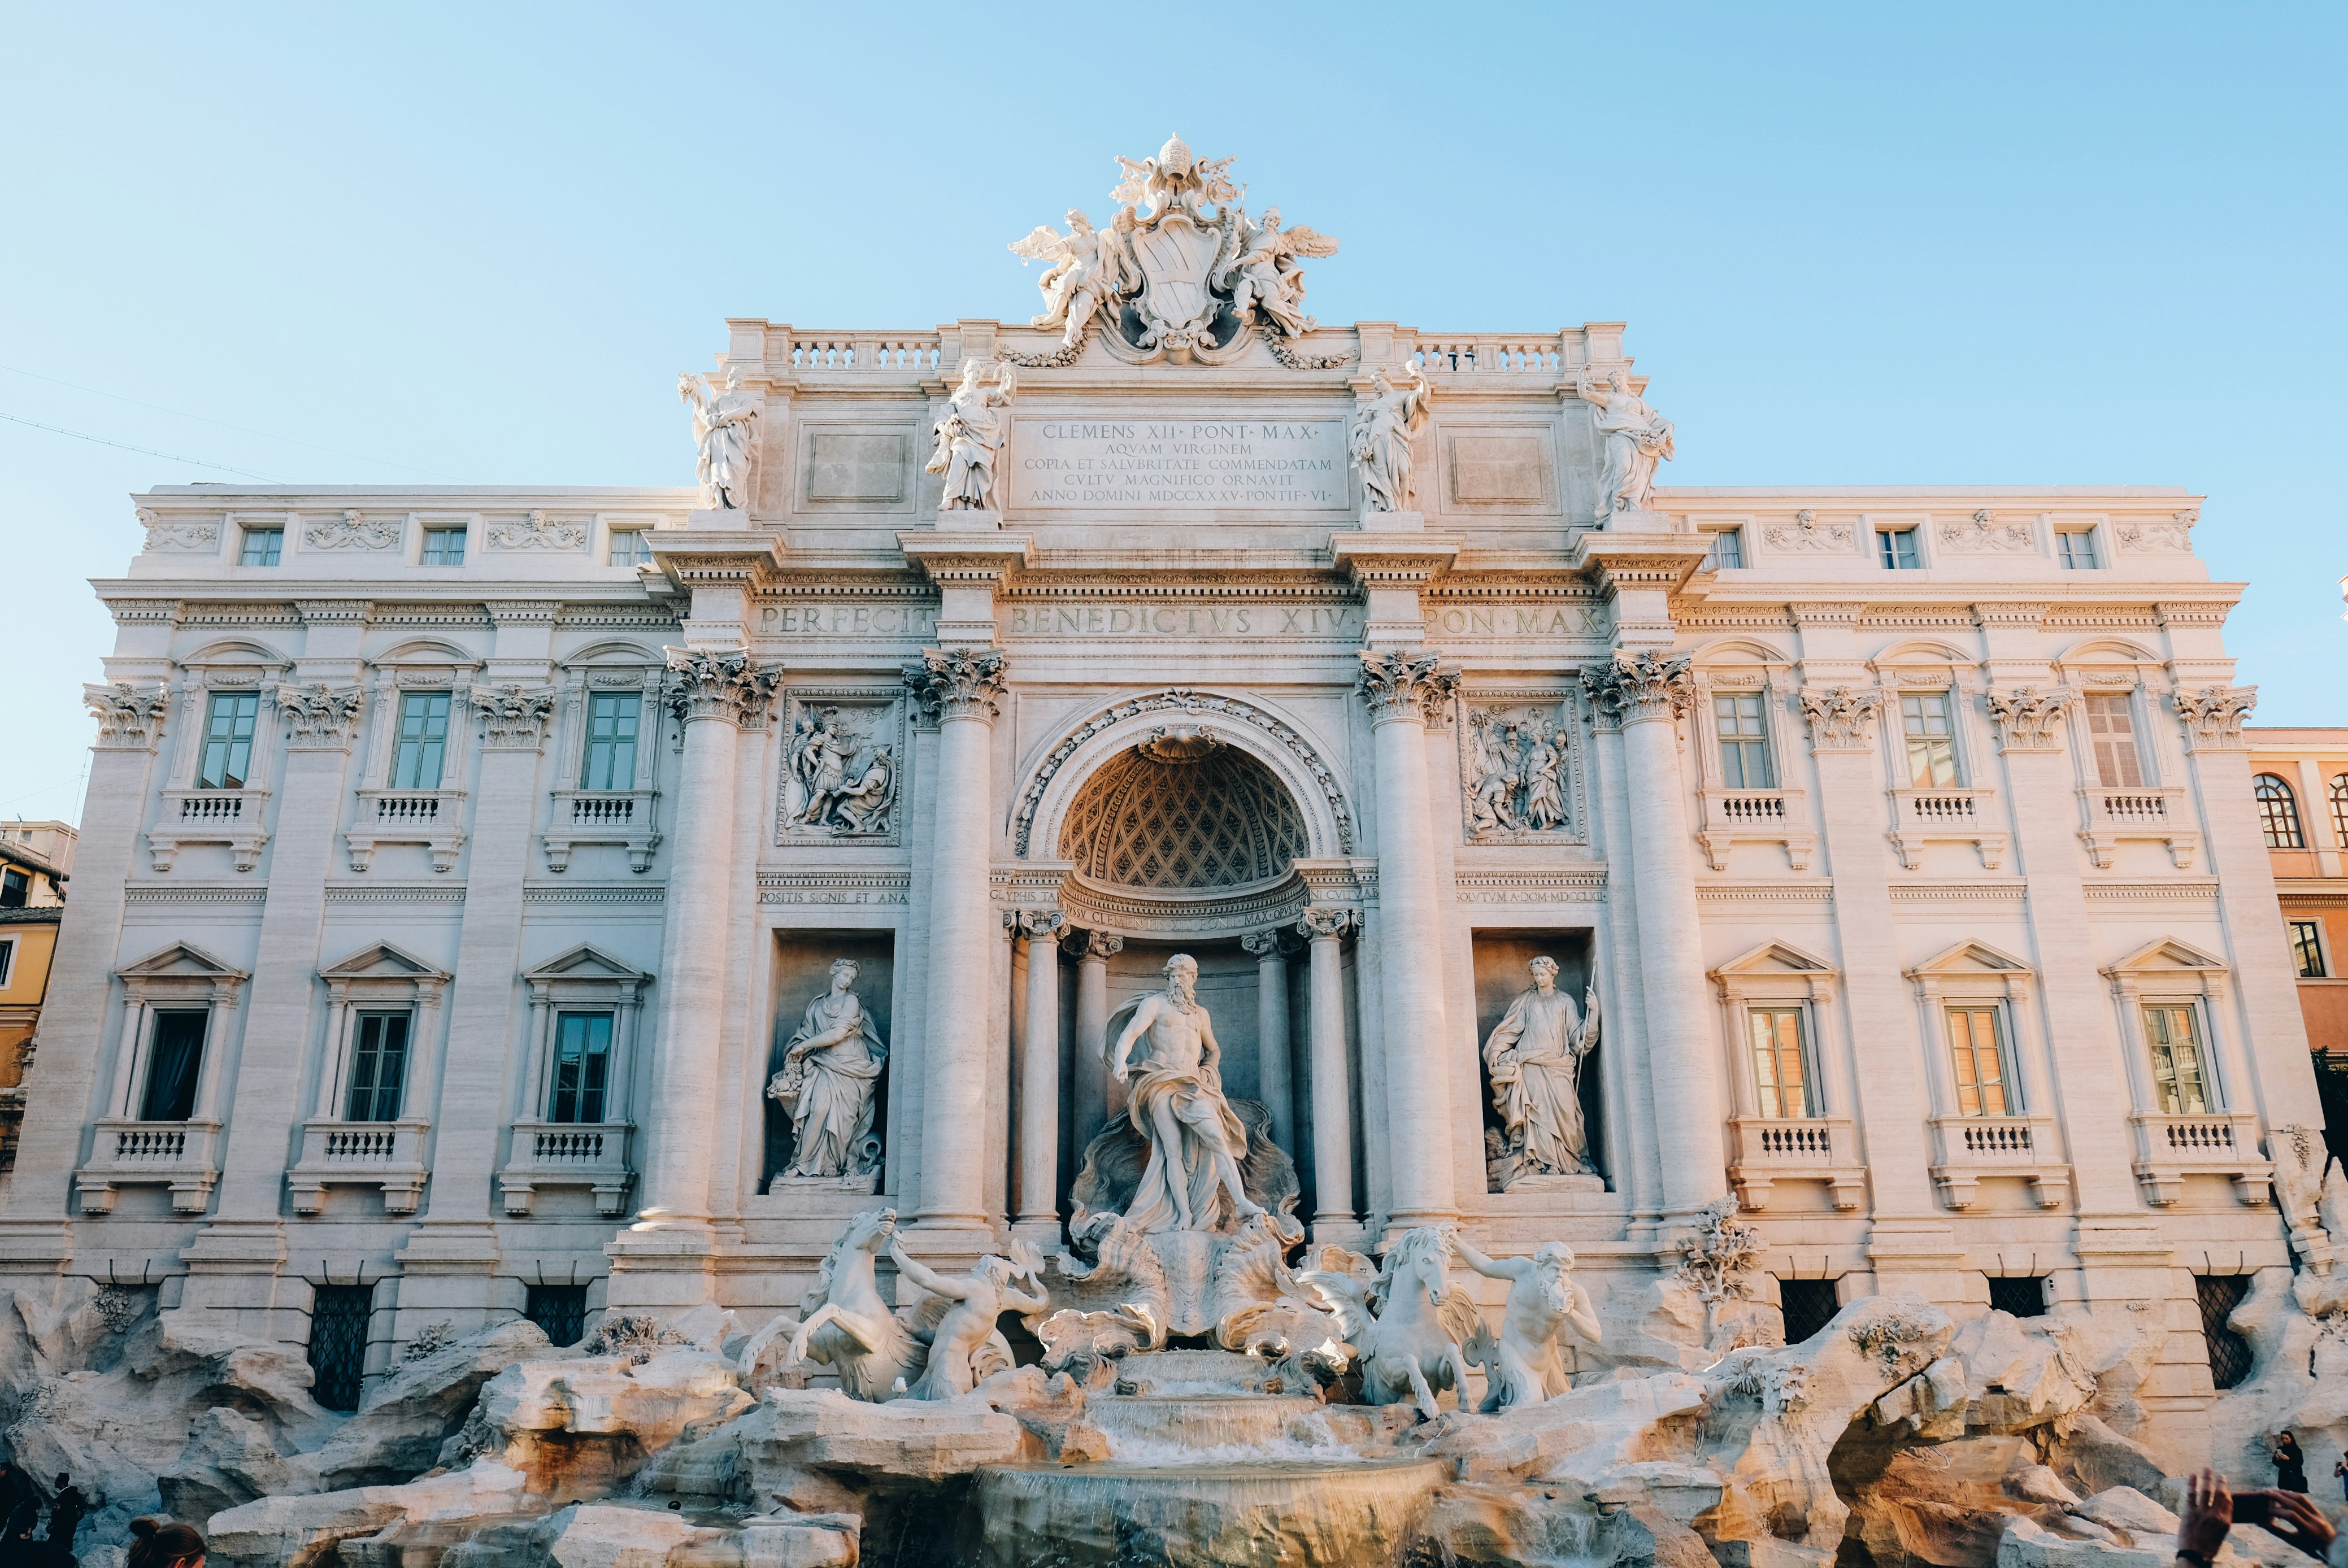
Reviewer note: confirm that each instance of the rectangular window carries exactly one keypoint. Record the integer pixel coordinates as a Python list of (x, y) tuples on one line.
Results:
[(444, 546), (423, 742), (379, 1066), (2022, 1294), (2173, 1029), (559, 1309), (611, 762), (228, 740), (261, 546), (1809, 1305), (1723, 547), (14, 888), (1781, 1063), (7, 960), (2307, 948), (1744, 741), (1977, 1054), (1930, 729), (1895, 548), (631, 546), (2111, 730), (172, 1063), (338, 1343), (2078, 549), (583, 1061)]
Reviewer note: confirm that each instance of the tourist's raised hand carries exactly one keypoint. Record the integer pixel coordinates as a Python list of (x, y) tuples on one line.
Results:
[(2296, 1520), (2208, 1514)]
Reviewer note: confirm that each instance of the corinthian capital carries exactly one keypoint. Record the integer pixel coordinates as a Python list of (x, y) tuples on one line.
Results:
[(319, 716), (1407, 687), (129, 717), (1642, 685), (719, 686), (1841, 718), (2027, 717), (516, 715), (2213, 715), (951, 683)]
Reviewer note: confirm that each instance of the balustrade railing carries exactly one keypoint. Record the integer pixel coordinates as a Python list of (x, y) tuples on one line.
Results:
[(151, 1142), (1489, 356)]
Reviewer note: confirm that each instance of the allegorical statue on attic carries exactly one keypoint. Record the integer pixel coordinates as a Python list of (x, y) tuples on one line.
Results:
[(1386, 424), (969, 437), (726, 436), (1637, 438), (1534, 1057), (1181, 272)]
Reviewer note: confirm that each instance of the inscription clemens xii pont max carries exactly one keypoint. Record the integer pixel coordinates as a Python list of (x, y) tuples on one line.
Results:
[(1181, 465)]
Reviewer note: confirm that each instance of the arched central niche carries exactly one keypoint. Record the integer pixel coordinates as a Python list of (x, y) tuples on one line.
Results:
[(1183, 810)]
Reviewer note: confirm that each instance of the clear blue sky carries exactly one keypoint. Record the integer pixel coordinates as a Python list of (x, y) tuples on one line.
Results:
[(2063, 244)]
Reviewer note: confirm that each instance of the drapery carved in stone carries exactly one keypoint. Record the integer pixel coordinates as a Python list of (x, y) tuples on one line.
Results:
[(1402, 686), (952, 684), (1841, 718), (321, 716), (2214, 715), (515, 715), (1642, 685), (1220, 821), (127, 716), (2028, 716), (719, 686)]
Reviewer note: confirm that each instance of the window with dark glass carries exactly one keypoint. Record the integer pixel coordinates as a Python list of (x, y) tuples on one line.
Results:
[(173, 1060), (1809, 1305), (379, 1066), (227, 753), (1931, 730), (338, 1343), (2111, 730), (2307, 948), (611, 761), (2278, 813), (1744, 741), (559, 1309), (2024, 1294), (7, 960), (1895, 548), (263, 547), (16, 887), (582, 1066), (423, 741)]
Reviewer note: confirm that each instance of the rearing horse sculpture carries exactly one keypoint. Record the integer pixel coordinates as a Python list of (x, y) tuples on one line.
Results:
[(844, 1323), (1405, 1326)]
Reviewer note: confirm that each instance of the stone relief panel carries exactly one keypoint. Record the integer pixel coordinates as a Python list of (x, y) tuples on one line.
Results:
[(862, 465), (1806, 533), (1521, 779), (181, 535), (539, 531), (844, 753), (2141, 536), (1986, 533)]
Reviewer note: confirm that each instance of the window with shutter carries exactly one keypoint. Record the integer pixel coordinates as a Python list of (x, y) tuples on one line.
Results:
[(2111, 728)]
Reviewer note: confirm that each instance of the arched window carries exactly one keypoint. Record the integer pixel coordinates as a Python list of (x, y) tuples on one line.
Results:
[(2340, 810), (2278, 813)]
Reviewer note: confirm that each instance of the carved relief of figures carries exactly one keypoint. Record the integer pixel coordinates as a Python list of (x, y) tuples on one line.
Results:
[(1513, 773), (1384, 426), (725, 438), (831, 1066), (1534, 1057), (840, 772), (969, 437), (1635, 439)]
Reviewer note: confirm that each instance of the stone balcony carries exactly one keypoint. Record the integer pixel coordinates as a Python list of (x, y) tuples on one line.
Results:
[(2113, 815), (592, 1155), (1968, 1150), (627, 818), (232, 816), (434, 818), (1965, 816), (385, 1154), (2218, 1143), (1733, 817), (181, 1155), (1766, 1150)]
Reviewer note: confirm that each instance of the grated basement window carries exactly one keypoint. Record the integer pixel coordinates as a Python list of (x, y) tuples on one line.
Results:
[(338, 1342), (2230, 1353), (1810, 1306), (2024, 1296), (561, 1311)]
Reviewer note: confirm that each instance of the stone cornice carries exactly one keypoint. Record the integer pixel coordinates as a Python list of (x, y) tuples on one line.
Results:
[(1374, 559), (716, 557), (965, 558)]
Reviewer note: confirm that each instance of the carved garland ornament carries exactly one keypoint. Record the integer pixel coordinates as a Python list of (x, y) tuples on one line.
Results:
[(1642, 685), (127, 716), (537, 532), (1401, 686), (353, 532), (1840, 717), (321, 715), (2029, 715), (1806, 533), (950, 683), (2215, 713), (164, 535), (719, 686), (1181, 699), (1986, 533)]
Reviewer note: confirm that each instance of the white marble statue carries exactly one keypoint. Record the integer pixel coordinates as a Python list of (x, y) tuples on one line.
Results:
[(830, 1068), (1408, 1325), (1534, 1057), (1192, 1179), (1090, 269), (1380, 440), (725, 433), (1521, 1364), (1261, 268), (1636, 439), (1493, 806), (971, 437), (966, 1347), (844, 1323), (1544, 789)]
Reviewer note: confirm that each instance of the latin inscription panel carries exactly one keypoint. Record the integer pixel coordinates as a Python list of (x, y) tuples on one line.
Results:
[(1179, 465)]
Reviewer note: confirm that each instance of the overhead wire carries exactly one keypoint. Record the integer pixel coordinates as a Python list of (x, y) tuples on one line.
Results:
[(147, 451)]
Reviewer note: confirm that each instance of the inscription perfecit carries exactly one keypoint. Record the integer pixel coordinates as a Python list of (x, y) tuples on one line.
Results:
[(1180, 465)]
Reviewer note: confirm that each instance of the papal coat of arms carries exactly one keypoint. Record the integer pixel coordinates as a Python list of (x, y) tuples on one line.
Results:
[(1189, 278)]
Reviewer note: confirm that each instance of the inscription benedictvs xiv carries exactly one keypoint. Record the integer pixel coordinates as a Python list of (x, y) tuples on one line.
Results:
[(1180, 465)]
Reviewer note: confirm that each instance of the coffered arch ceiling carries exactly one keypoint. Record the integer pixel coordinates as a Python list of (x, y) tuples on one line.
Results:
[(1188, 812)]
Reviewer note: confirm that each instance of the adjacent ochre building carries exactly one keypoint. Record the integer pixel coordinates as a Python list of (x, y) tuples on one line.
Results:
[(36, 863), (460, 864)]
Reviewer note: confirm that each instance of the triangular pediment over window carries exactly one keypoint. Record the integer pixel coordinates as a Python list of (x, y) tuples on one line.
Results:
[(586, 962), (1969, 958), (1774, 958), (382, 962), (2167, 955), (179, 961)]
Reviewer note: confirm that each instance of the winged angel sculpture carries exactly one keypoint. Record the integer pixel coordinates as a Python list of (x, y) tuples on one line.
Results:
[(1180, 270)]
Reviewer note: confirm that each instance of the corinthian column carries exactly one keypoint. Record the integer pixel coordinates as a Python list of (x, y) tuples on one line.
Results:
[(1332, 1102), (713, 695), (1092, 950), (1406, 691), (1039, 1080), (1644, 693), (1272, 1032), (960, 686)]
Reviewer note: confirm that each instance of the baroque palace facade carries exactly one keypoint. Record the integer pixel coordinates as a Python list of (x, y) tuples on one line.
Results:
[(495, 900)]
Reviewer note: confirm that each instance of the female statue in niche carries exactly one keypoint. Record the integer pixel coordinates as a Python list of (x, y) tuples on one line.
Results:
[(830, 1068), (1534, 1057)]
